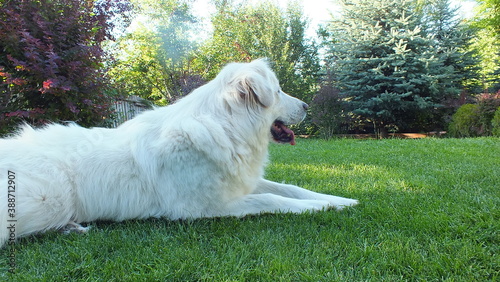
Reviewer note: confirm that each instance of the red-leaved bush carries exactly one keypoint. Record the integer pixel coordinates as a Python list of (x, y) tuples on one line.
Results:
[(51, 60)]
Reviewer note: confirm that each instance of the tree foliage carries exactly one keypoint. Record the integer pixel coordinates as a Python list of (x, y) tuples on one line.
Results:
[(489, 15), (51, 60), (452, 40), (397, 61), (487, 53), (383, 61), (152, 58), (487, 43), (400, 64), (246, 32)]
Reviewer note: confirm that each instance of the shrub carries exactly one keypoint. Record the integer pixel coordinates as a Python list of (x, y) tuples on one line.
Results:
[(326, 111), (51, 60), (465, 122), (495, 123), (488, 104)]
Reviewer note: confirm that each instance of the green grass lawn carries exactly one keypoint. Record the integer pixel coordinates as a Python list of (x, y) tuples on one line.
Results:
[(430, 211)]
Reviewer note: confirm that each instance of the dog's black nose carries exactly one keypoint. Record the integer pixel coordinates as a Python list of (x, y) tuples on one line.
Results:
[(305, 106)]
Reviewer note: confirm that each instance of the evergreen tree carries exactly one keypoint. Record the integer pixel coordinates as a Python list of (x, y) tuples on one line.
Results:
[(387, 66), (452, 41)]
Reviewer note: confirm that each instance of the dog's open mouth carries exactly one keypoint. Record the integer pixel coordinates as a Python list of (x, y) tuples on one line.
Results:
[(281, 133)]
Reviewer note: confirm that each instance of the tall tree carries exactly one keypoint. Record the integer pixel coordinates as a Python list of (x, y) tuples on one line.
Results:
[(487, 48), (452, 40), (386, 64), (51, 60), (487, 43), (152, 58), (246, 32), (489, 15)]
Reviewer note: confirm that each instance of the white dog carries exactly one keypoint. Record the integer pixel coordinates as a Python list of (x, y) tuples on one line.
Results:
[(200, 157)]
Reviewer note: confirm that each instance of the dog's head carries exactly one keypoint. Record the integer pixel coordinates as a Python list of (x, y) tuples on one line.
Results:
[(254, 87)]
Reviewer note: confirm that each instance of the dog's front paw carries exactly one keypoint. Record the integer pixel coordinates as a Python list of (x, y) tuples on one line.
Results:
[(340, 204)]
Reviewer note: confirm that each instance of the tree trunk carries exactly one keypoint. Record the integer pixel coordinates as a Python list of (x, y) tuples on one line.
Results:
[(381, 131), (384, 132)]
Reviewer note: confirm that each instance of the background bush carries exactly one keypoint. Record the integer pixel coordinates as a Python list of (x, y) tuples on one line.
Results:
[(465, 122), (472, 120), (52, 61), (495, 123), (326, 111), (488, 105)]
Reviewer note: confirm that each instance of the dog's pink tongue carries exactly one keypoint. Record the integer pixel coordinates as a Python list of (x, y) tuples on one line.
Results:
[(290, 133)]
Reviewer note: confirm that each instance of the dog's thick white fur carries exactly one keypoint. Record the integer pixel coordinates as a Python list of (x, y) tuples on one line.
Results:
[(200, 157)]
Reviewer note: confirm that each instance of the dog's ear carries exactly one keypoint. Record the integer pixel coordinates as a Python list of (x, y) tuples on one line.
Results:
[(255, 89)]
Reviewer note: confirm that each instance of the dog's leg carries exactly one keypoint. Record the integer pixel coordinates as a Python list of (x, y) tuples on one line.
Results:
[(291, 191), (269, 203), (74, 227)]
